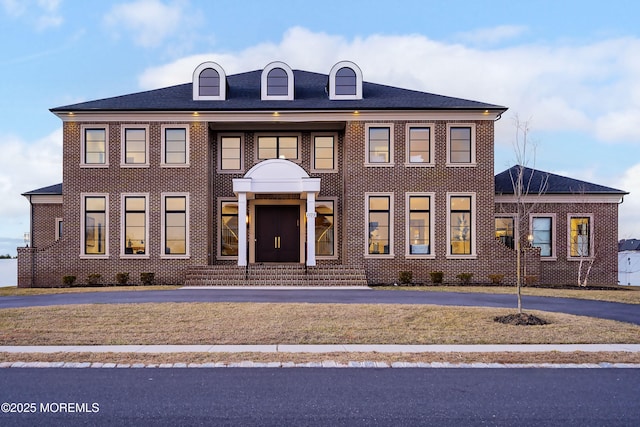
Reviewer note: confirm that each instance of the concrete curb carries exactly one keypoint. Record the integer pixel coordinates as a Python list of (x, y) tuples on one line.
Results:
[(323, 364), (325, 348)]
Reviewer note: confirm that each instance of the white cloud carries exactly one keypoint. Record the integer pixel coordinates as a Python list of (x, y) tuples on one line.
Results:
[(44, 167), (149, 21), (43, 14), (490, 36), (629, 213), (565, 87)]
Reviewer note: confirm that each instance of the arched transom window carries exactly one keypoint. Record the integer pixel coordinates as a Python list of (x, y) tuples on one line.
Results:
[(277, 82), (345, 81), (209, 82)]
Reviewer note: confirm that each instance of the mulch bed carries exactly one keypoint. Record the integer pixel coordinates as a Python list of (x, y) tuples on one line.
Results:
[(520, 319)]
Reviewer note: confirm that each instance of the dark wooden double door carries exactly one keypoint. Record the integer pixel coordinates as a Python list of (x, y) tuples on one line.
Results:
[(277, 233)]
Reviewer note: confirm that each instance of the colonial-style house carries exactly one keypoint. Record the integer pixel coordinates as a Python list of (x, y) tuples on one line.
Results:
[(281, 176)]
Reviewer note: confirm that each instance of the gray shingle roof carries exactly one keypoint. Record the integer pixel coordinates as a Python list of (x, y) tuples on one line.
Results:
[(243, 94), (556, 184), (50, 190)]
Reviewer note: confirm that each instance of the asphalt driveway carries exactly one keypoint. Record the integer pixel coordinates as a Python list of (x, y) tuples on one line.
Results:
[(606, 310)]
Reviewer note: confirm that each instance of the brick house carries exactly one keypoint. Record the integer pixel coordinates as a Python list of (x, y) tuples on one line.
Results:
[(276, 176)]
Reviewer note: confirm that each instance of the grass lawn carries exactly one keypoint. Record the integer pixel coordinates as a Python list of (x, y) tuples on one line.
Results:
[(14, 291), (296, 323), (624, 294)]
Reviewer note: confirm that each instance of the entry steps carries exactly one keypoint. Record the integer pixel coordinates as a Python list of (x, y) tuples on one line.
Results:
[(275, 275)]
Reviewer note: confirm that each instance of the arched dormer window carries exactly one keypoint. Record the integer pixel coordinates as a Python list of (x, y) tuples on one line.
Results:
[(345, 81), (209, 82), (277, 82)]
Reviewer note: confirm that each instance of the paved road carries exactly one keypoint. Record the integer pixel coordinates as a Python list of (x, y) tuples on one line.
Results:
[(605, 310), (312, 397)]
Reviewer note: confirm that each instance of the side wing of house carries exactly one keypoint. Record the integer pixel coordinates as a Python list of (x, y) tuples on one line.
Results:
[(573, 223)]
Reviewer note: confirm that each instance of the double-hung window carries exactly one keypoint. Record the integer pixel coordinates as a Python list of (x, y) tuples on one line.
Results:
[(461, 227), (419, 145), (461, 144), (175, 225), (229, 229), (325, 228), (379, 145), (504, 231), (542, 230), (419, 225), (135, 229), (95, 146), (324, 158), (379, 224), (230, 153), (95, 225), (175, 146), (580, 242), (135, 146)]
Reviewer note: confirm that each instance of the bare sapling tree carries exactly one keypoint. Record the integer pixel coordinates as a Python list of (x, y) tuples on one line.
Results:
[(584, 241), (528, 185)]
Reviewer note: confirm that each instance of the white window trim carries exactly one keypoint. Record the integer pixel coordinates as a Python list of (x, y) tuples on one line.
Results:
[(332, 80), (391, 253), (473, 144), (391, 162), (474, 232), (196, 83), (83, 197), (187, 243), (431, 162), (554, 253), (407, 248), (163, 161), (219, 150), (58, 221), (579, 215), (83, 146), (263, 82), (313, 153), (256, 144), (336, 233), (123, 153)]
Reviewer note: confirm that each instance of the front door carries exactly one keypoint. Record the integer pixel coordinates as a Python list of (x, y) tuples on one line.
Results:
[(277, 233)]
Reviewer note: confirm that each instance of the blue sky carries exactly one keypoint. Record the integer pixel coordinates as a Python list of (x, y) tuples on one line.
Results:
[(570, 68)]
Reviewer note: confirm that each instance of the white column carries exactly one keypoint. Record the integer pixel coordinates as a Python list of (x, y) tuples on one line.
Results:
[(242, 229), (311, 229)]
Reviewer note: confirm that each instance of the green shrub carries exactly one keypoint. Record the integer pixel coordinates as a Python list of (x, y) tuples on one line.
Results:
[(122, 278), (465, 278), (93, 279), (68, 281), (496, 279), (405, 277), (436, 276), (147, 278)]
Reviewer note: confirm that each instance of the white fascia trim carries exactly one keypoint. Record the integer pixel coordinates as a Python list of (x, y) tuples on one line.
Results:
[(263, 82), (45, 199), (561, 198), (196, 82), (274, 116)]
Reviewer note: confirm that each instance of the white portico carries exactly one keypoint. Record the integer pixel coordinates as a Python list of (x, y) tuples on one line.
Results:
[(275, 176)]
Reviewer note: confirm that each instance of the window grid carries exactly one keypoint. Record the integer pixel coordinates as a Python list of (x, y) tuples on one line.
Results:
[(95, 146), (419, 145), (230, 153), (278, 147), (379, 145), (324, 152), (229, 229), (504, 231), (135, 146), (542, 231), (580, 236)]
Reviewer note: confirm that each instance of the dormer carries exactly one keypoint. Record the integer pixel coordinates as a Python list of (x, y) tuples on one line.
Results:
[(345, 81), (209, 82), (277, 82)]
